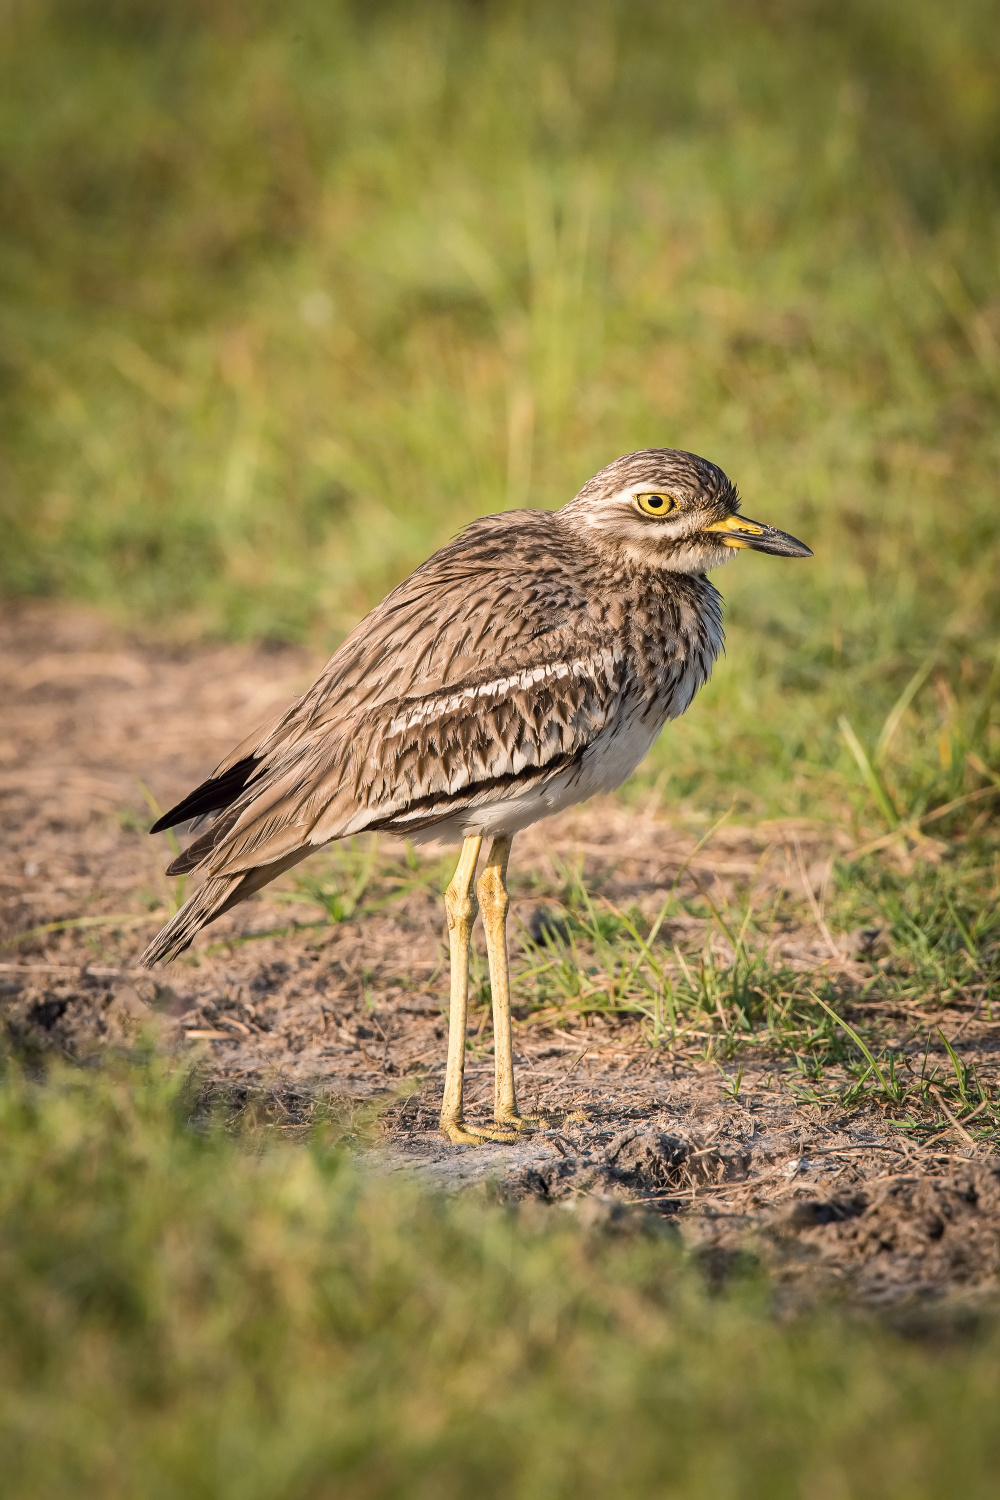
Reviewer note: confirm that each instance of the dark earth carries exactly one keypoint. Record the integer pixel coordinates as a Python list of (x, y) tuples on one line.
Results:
[(293, 1004)]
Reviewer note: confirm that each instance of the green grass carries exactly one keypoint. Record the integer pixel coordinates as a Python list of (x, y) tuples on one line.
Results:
[(182, 1315)]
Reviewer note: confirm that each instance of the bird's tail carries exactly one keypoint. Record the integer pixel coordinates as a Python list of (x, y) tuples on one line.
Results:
[(214, 897), (217, 895)]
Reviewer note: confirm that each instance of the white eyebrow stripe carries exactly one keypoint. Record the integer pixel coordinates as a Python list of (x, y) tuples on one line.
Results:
[(436, 708)]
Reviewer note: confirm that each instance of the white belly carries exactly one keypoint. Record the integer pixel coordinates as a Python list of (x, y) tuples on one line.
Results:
[(605, 764)]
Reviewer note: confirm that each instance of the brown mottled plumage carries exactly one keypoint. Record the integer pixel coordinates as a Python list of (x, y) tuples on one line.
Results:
[(529, 663)]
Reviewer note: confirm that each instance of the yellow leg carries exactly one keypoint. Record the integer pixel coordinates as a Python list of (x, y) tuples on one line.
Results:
[(494, 903), (461, 907)]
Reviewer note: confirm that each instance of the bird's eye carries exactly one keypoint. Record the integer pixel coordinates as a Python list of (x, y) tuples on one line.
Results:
[(655, 505)]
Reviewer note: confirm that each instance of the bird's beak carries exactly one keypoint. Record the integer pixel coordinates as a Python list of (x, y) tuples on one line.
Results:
[(738, 531)]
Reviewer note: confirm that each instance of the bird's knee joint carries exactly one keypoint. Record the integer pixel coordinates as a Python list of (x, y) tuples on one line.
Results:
[(493, 894), (461, 907)]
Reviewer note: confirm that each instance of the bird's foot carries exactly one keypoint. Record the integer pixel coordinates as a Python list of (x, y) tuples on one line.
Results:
[(545, 1120), (522, 1124), (507, 1127), (461, 1133)]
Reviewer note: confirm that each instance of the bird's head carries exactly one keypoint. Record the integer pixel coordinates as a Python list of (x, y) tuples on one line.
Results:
[(673, 510)]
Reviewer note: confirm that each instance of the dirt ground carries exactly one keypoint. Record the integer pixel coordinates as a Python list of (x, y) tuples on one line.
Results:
[(354, 1010)]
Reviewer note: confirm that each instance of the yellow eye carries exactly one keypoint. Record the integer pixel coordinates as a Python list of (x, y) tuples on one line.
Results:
[(655, 505)]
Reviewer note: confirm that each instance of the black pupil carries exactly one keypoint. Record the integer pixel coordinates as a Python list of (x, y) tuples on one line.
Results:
[(655, 501)]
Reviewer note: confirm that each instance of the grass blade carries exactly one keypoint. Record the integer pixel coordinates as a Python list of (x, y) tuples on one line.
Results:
[(128, 920), (961, 1071), (868, 771), (890, 1092), (895, 715)]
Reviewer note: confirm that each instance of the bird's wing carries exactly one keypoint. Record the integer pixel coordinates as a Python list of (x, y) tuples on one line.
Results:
[(422, 758), (499, 586), (485, 597), (402, 766)]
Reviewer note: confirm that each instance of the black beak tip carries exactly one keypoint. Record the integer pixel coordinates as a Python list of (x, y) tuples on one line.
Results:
[(780, 544)]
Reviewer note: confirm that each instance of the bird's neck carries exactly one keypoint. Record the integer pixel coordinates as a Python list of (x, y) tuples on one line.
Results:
[(669, 623)]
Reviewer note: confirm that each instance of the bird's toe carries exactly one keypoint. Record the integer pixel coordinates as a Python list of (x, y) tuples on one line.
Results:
[(460, 1133)]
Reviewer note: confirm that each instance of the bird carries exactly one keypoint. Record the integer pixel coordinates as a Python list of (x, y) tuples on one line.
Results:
[(528, 664)]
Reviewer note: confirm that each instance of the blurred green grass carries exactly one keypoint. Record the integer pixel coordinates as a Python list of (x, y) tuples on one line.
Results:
[(183, 1317), (292, 292)]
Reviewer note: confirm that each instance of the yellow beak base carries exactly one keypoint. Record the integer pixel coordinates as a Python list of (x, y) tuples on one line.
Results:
[(740, 531)]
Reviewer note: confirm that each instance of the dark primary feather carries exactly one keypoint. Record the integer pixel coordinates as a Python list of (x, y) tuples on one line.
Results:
[(217, 791)]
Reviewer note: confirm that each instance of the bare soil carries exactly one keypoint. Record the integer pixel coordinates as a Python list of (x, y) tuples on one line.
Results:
[(286, 1012)]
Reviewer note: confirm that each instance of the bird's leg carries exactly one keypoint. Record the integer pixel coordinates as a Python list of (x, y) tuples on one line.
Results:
[(460, 904), (494, 903)]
